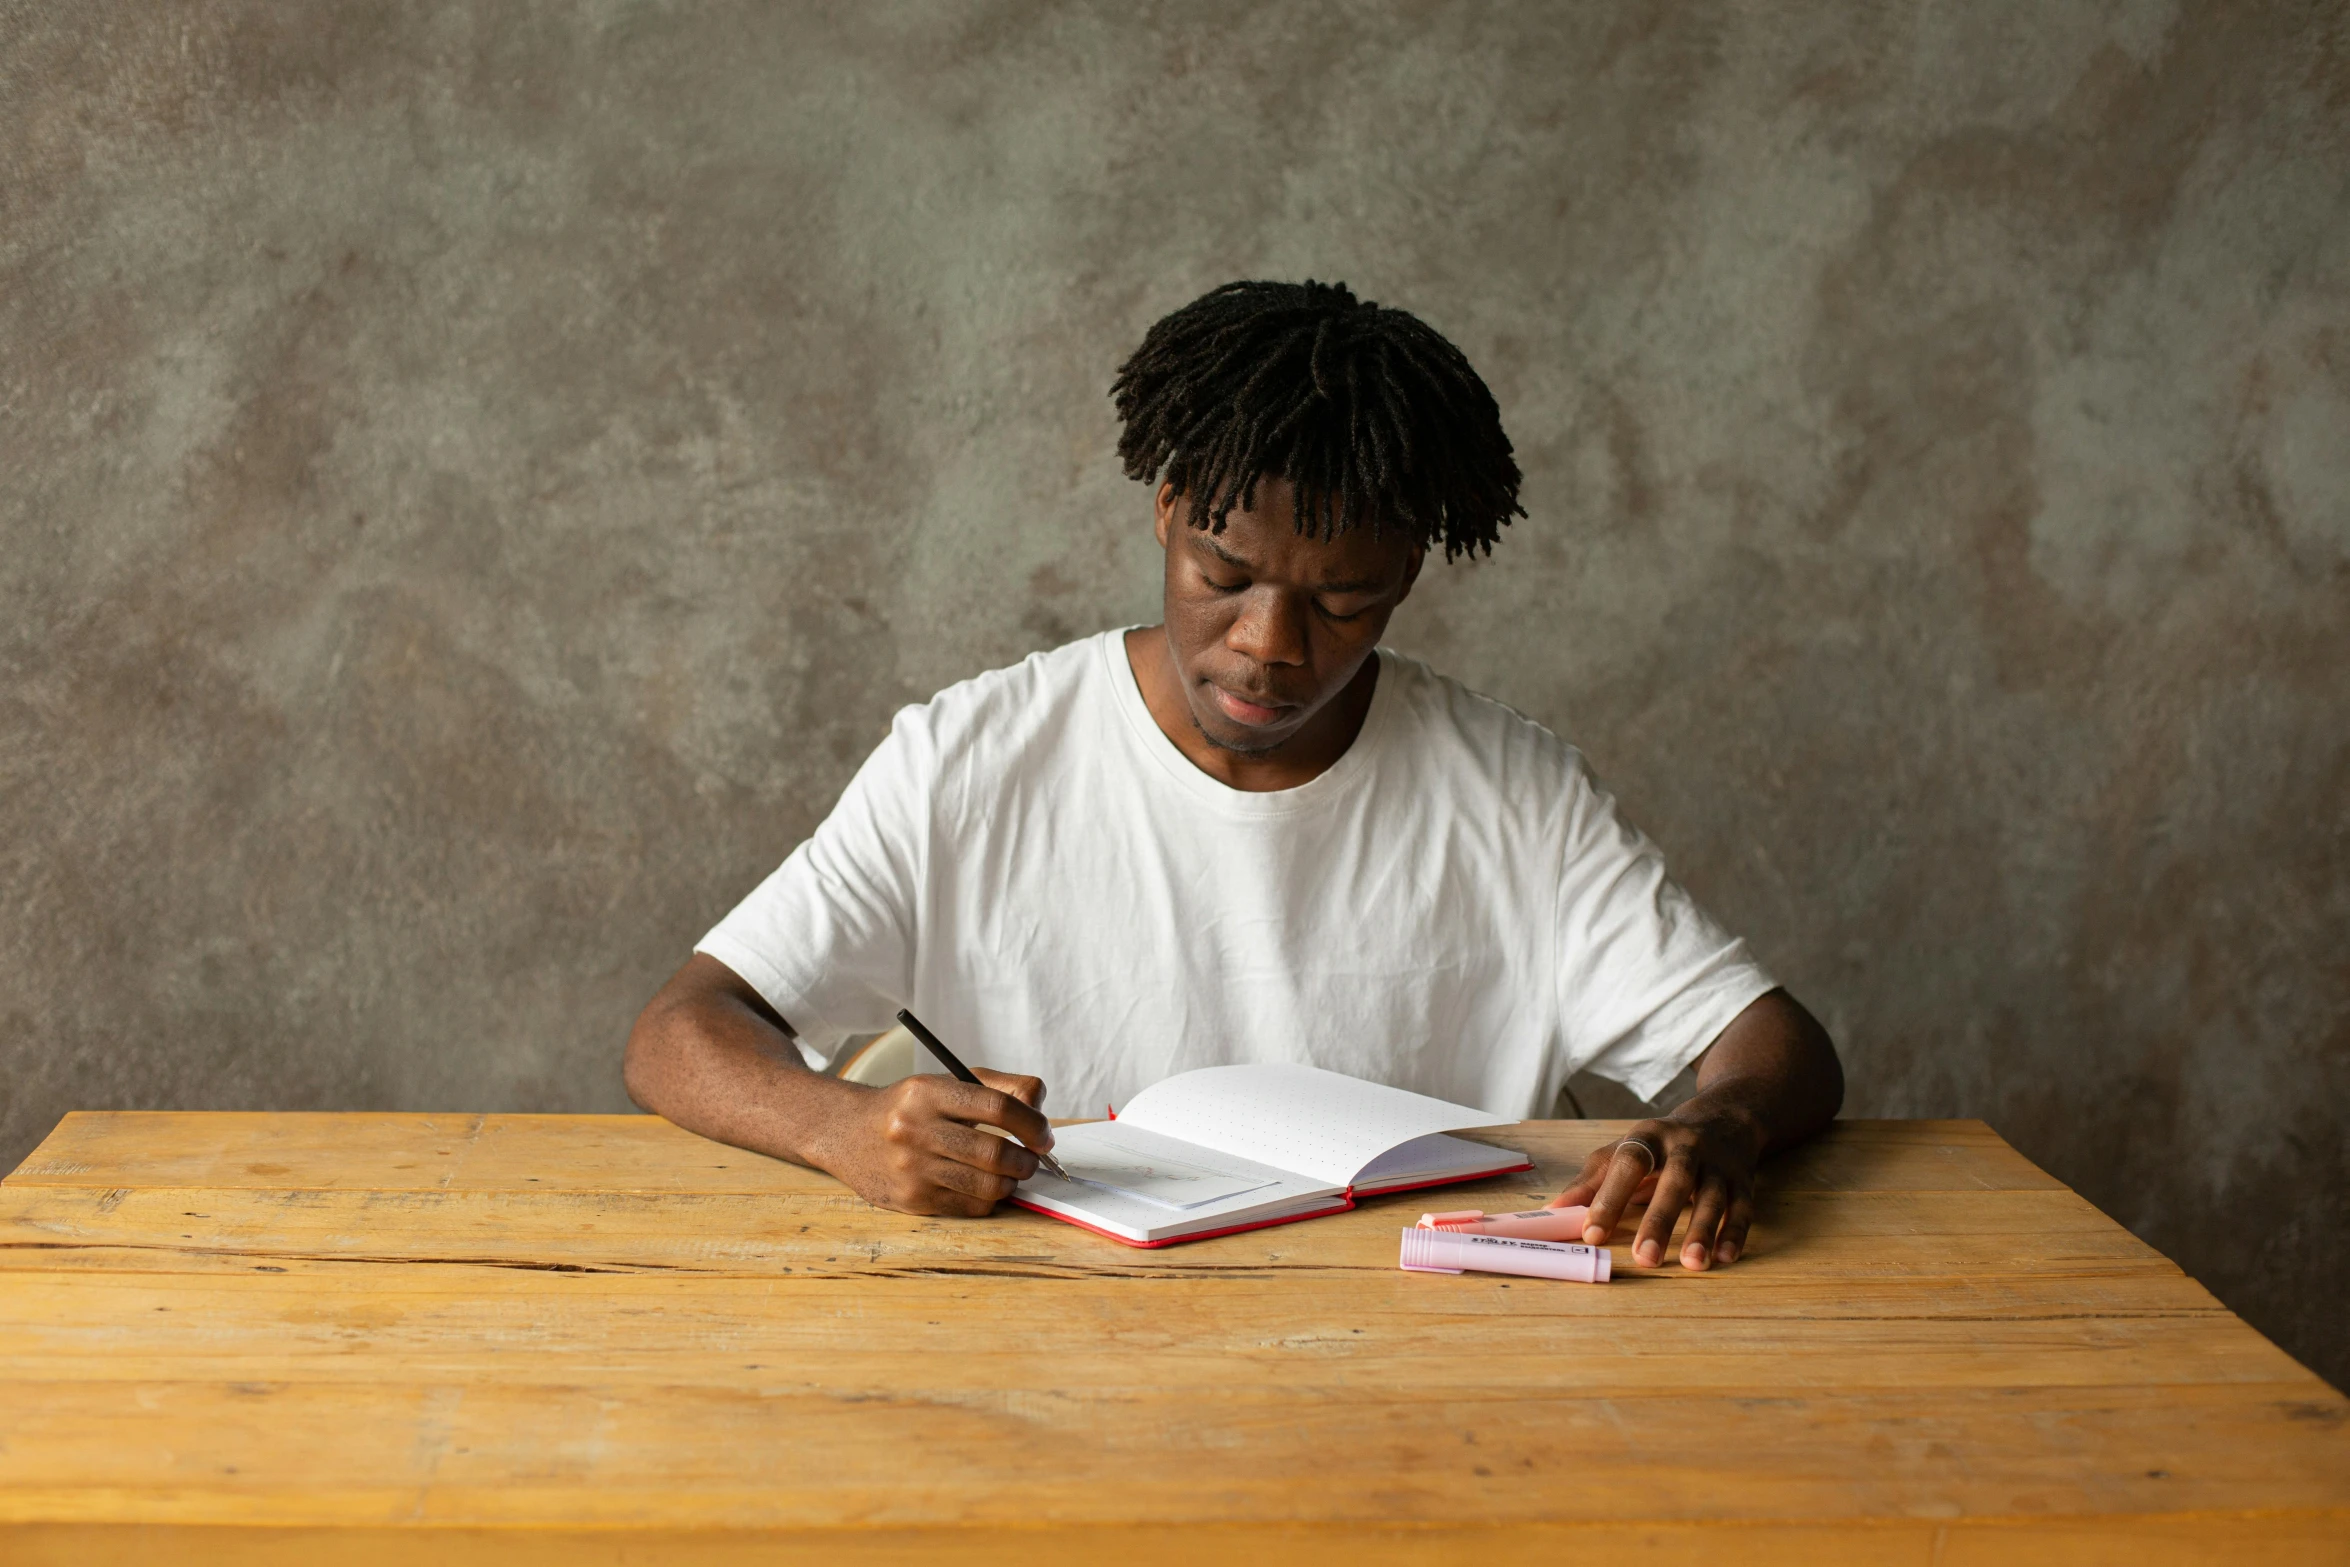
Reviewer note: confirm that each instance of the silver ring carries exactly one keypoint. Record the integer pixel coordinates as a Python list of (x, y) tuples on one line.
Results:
[(1655, 1159)]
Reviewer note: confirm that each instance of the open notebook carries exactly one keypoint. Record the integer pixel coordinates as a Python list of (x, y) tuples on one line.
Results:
[(1230, 1148)]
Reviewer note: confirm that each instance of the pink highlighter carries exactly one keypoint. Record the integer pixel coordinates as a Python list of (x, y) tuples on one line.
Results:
[(1536, 1224), (1461, 1251)]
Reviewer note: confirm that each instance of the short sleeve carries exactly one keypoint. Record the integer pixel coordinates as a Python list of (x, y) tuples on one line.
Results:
[(828, 939), (1646, 978)]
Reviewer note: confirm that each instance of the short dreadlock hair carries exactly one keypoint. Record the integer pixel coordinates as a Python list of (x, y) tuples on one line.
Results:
[(1369, 413)]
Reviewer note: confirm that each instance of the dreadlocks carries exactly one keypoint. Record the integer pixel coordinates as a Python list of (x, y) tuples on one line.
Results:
[(1371, 415)]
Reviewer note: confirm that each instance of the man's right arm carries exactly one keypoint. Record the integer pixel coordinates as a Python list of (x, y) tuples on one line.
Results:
[(710, 1054)]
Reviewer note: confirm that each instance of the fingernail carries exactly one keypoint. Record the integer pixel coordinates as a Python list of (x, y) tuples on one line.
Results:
[(1649, 1253), (1593, 1235), (1727, 1251), (1693, 1256)]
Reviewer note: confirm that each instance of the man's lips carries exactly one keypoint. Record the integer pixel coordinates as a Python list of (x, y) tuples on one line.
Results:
[(1241, 710)]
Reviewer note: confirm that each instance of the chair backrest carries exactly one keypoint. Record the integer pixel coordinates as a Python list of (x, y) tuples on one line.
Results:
[(883, 1059)]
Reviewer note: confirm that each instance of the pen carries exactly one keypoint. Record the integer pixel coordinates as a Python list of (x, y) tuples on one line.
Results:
[(930, 1042)]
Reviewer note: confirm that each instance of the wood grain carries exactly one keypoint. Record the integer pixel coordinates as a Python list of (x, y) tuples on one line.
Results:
[(457, 1338)]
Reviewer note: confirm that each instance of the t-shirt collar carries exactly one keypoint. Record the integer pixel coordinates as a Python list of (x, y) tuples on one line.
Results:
[(1126, 695)]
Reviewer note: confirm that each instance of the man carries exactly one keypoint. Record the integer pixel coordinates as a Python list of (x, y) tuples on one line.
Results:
[(1247, 834)]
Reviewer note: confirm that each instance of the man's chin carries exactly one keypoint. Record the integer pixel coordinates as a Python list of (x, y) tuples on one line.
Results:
[(1225, 735)]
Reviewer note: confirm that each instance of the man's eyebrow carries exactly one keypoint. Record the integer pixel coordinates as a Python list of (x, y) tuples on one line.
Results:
[(1207, 541)]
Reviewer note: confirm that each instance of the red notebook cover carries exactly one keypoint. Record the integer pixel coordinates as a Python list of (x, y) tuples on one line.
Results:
[(1266, 1224)]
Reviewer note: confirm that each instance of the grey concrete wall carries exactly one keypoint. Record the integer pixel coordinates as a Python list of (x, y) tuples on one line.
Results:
[(476, 477)]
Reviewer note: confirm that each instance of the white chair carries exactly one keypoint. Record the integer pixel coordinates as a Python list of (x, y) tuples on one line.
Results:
[(883, 1059)]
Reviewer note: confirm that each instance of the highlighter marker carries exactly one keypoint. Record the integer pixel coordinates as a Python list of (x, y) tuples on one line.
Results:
[(1453, 1251), (1536, 1224)]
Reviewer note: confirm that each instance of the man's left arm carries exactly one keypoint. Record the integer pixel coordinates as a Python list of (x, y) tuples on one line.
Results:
[(1768, 1080)]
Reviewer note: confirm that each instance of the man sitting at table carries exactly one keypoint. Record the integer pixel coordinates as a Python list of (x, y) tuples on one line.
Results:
[(1249, 834)]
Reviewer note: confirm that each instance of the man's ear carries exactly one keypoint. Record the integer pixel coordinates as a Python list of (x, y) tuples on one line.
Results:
[(1166, 506)]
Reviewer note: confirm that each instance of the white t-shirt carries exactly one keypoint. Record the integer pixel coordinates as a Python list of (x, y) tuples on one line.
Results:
[(1029, 864)]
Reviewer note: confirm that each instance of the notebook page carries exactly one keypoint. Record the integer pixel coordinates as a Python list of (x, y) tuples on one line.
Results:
[(1435, 1157), (1155, 1178), (1115, 1149), (1322, 1124)]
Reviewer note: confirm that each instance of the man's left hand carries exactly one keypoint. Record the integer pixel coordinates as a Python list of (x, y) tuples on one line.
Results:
[(1769, 1079), (1707, 1167)]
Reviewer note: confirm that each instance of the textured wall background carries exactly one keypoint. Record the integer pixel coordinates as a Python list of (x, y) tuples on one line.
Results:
[(475, 478)]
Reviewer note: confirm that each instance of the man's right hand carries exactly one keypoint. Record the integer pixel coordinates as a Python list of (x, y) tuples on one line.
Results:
[(917, 1145), (709, 1053)]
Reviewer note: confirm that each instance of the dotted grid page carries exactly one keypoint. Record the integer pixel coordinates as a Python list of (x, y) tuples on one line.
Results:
[(1159, 1179), (1123, 1184), (1323, 1124)]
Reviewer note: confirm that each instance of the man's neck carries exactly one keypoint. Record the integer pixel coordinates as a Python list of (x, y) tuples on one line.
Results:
[(1300, 759)]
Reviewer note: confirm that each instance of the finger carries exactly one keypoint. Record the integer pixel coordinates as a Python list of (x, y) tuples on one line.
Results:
[(1730, 1245), (1673, 1189), (943, 1202), (1640, 1194), (985, 1188), (1587, 1187), (913, 1181), (1586, 1182), (981, 1149), (1705, 1219), (984, 1106), (1028, 1090), (1628, 1164)]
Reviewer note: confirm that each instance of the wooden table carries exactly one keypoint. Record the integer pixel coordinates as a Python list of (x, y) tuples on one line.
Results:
[(590, 1339)]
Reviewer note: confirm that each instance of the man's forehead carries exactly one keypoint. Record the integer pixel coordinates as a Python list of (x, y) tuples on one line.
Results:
[(1351, 561)]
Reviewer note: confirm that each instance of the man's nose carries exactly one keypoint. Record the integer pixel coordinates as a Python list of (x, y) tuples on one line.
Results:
[(1270, 629)]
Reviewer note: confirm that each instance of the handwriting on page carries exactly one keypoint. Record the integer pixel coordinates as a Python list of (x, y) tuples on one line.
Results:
[(1164, 1183)]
